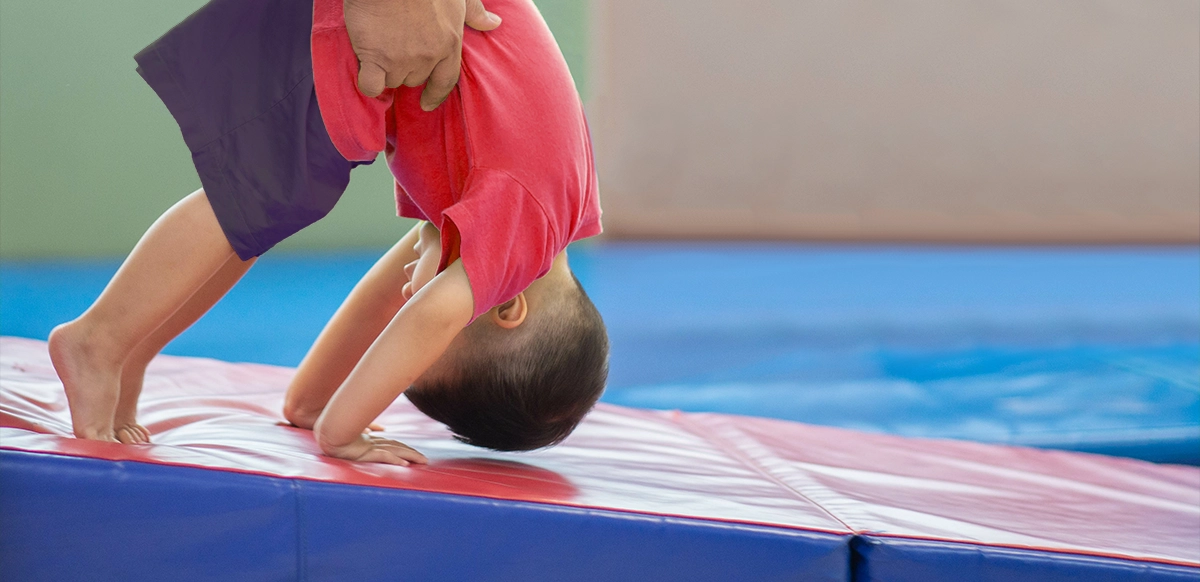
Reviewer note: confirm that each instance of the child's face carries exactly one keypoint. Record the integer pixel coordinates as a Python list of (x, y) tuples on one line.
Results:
[(429, 253)]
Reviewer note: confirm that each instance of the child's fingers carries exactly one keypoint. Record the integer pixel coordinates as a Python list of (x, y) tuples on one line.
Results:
[(412, 456), (378, 455), (399, 449), (374, 426)]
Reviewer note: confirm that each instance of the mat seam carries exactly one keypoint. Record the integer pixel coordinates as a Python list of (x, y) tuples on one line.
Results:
[(732, 449), (301, 527)]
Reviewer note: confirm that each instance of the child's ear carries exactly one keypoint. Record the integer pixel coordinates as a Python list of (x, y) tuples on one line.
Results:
[(511, 313)]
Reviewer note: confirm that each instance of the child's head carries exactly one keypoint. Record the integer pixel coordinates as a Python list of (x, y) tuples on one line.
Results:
[(524, 374)]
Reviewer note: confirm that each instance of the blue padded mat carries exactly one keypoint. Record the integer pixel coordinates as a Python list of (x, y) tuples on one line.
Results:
[(1090, 349), (68, 518), (177, 521), (880, 559)]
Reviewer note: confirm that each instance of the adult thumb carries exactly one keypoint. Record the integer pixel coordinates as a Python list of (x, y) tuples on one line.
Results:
[(371, 78), (479, 18)]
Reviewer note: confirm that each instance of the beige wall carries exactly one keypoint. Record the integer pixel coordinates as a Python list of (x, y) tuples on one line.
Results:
[(989, 120)]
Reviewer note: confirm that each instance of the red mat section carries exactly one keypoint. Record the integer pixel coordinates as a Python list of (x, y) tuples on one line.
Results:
[(222, 416)]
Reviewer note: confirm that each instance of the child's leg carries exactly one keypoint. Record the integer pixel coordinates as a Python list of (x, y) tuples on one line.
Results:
[(176, 256), (125, 425), (363, 315)]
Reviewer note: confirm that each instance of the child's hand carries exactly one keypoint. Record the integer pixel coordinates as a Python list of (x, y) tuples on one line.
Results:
[(374, 449), (308, 424), (421, 271)]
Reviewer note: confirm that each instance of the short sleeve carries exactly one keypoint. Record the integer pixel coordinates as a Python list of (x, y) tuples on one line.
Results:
[(405, 206), (505, 239)]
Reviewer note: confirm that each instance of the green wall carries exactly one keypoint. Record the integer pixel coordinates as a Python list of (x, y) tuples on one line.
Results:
[(89, 156)]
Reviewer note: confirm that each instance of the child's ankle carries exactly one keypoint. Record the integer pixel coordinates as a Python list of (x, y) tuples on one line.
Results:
[(87, 341)]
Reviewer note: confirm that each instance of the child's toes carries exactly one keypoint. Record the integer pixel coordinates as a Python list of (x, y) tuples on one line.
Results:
[(126, 436), (133, 434)]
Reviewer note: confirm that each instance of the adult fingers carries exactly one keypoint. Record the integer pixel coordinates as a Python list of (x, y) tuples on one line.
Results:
[(371, 78), (479, 18), (398, 76), (418, 75), (441, 81)]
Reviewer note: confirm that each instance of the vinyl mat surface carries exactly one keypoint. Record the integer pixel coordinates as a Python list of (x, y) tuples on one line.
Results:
[(229, 492)]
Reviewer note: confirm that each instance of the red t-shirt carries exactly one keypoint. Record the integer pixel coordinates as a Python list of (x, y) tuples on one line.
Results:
[(504, 165)]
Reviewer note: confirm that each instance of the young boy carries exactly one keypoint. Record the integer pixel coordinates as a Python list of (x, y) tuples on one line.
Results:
[(476, 308)]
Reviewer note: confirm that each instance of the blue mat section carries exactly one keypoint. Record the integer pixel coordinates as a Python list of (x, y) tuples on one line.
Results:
[(69, 518), (879, 559), (1090, 349), (497, 540)]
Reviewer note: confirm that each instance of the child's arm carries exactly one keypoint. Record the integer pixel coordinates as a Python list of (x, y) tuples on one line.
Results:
[(412, 342), (360, 319)]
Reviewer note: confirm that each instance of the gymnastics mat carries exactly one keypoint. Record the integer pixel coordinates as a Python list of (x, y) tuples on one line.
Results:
[(228, 492)]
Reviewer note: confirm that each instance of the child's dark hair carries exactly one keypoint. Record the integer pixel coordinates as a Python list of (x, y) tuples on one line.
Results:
[(525, 392)]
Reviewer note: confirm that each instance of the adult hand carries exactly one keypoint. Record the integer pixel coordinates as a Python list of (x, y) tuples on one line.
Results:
[(412, 42)]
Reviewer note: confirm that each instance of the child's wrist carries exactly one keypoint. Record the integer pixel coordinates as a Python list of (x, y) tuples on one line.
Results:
[(350, 450)]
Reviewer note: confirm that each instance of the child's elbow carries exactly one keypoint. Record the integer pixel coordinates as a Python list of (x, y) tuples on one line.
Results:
[(299, 415)]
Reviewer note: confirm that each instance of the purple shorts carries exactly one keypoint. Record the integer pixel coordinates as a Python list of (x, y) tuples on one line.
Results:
[(237, 77)]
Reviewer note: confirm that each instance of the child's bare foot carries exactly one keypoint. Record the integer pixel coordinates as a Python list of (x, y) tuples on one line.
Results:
[(125, 425), (90, 378)]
